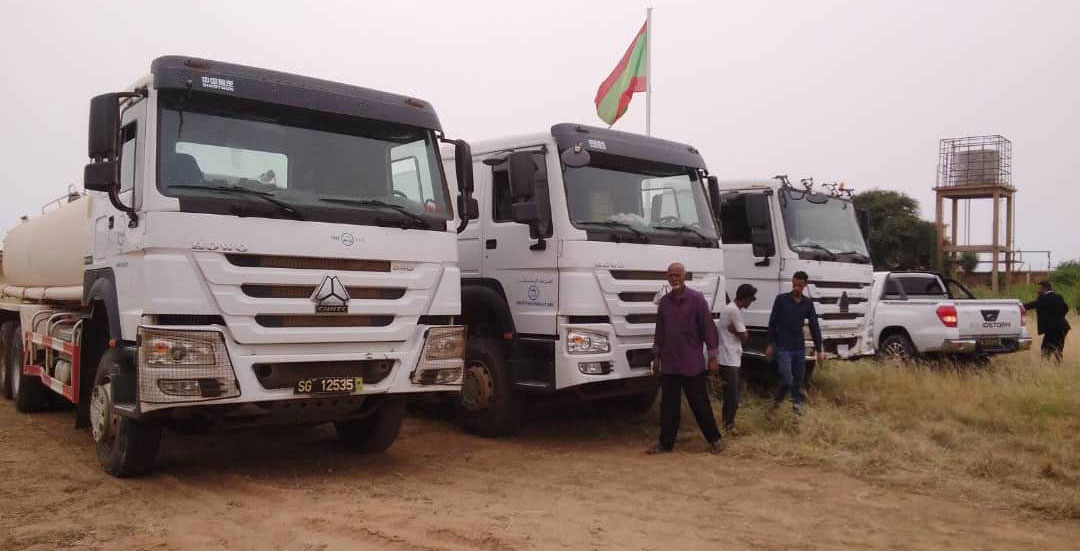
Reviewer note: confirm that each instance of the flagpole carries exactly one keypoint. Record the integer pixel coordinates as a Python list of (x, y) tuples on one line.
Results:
[(648, 71)]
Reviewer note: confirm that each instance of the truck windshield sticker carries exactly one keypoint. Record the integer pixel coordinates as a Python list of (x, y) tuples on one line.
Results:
[(214, 83)]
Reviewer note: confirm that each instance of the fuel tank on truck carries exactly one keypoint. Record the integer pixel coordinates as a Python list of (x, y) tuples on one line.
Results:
[(48, 250)]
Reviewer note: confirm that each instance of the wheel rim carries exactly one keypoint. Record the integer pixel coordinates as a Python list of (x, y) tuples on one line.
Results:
[(102, 420), (896, 349), (478, 388)]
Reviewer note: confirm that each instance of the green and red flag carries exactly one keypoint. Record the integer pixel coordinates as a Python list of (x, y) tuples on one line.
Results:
[(629, 76)]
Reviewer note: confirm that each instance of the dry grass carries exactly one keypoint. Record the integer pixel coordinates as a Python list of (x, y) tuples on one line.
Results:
[(1006, 434)]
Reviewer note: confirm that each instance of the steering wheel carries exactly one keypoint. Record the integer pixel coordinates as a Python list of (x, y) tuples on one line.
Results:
[(669, 219), (399, 193)]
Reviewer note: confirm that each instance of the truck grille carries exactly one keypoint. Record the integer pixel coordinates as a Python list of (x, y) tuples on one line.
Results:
[(308, 263), (291, 320), (305, 291)]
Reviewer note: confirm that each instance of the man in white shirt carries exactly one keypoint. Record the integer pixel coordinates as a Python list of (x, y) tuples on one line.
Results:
[(732, 336)]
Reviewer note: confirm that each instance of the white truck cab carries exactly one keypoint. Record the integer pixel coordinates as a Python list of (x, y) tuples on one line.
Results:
[(559, 275), (771, 230), (254, 247)]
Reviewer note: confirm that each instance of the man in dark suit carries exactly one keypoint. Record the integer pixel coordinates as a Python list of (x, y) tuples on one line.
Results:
[(1053, 326)]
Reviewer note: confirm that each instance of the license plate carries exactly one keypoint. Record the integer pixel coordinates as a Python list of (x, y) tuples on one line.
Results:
[(329, 385), (990, 343)]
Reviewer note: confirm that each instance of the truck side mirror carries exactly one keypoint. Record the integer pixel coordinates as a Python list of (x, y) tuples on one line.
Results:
[(468, 207), (104, 127), (100, 176), (103, 134), (714, 195), (761, 235), (463, 166), (864, 222)]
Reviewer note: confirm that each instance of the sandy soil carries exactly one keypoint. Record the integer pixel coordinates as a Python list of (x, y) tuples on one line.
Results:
[(565, 483)]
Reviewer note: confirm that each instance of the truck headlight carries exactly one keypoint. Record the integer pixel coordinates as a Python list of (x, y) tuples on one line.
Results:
[(445, 343), (184, 366), (442, 360), (580, 341), (166, 350)]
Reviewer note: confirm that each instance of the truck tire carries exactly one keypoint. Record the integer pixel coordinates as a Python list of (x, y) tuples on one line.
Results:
[(7, 337), (26, 390), (126, 447), (489, 405), (897, 346), (375, 433)]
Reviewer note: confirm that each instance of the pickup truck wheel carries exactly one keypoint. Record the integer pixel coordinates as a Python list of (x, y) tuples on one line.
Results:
[(897, 347), (489, 405), (27, 390), (373, 434), (126, 447), (7, 335)]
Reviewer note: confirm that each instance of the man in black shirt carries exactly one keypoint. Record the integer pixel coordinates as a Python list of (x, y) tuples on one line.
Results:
[(1053, 326), (786, 341)]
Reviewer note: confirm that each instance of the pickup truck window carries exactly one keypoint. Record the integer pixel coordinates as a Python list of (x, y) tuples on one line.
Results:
[(921, 286)]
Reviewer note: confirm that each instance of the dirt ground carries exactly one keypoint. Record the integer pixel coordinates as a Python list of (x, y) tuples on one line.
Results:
[(566, 483)]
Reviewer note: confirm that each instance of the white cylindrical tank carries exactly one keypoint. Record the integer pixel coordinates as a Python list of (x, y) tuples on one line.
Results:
[(48, 251)]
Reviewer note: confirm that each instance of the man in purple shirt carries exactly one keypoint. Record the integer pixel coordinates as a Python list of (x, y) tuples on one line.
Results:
[(684, 325)]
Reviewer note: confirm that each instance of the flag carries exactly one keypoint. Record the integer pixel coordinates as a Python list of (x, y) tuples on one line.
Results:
[(629, 76)]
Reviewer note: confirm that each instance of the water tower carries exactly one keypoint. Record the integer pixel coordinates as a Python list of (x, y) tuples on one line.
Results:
[(976, 167)]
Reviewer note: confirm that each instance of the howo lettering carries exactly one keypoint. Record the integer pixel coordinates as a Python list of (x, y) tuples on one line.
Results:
[(254, 247)]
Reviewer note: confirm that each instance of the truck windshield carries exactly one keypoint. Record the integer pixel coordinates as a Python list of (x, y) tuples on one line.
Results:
[(618, 198), (823, 227), (251, 159)]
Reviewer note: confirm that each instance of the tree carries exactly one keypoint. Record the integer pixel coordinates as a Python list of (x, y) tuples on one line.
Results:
[(969, 260), (898, 238)]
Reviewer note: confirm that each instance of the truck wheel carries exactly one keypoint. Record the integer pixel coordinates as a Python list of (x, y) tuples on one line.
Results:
[(375, 433), (7, 335), (897, 347), (27, 390), (125, 447), (489, 404)]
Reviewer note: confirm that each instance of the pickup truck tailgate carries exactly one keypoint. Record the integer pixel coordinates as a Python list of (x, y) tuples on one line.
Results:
[(988, 318)]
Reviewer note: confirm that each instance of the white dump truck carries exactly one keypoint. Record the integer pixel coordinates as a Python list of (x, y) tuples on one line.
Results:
[(253, 247), (772, 229), (560, 273)]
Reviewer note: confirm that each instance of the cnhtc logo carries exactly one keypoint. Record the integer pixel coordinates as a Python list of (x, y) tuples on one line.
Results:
[(331, 296)]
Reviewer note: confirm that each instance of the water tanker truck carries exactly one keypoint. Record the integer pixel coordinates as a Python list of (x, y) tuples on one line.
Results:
[(253, 247)]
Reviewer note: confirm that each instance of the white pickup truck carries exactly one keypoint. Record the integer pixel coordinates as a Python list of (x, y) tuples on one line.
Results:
[(914, 314)]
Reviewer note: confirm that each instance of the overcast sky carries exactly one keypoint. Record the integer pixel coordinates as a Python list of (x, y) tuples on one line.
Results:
[(859, 91)]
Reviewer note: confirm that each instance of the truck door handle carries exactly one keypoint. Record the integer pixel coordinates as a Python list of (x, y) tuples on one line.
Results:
[(491, 244)]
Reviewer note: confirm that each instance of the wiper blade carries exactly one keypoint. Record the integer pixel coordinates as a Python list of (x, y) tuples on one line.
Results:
[(265, 195), (685, 229), (615, 224), (856, 254), (379, 204), (815, 246)]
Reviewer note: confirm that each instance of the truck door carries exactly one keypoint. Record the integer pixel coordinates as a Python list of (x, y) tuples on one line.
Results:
[(518, 256), (110, 225), (746, 218)]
